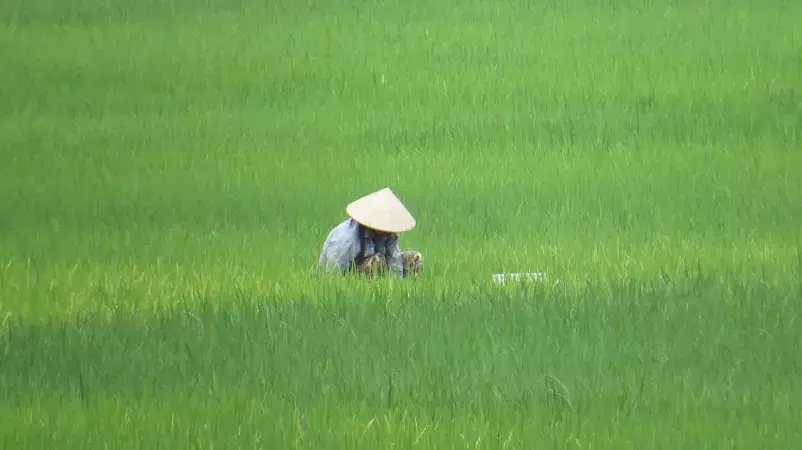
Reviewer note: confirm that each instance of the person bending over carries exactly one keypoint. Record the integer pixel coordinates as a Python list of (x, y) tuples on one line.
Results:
[(367, 242)]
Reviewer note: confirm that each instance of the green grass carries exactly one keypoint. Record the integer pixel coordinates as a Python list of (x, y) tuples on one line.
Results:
[(169, 171)]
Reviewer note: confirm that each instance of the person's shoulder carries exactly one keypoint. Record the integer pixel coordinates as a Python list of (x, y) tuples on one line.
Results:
[(343, 229), (347, 225)]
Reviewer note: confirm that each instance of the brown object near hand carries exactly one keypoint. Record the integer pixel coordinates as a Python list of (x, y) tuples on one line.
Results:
[(413, 262), (377, 263), (373, 264)]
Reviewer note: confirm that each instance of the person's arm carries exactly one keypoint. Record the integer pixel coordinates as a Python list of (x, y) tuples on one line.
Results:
[(395, 258), (340, 248)]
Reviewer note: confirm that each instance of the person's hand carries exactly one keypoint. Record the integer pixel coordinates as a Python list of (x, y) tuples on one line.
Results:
[(374, 263)]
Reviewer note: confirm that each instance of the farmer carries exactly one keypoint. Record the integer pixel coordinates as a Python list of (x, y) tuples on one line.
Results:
[(368, 240)]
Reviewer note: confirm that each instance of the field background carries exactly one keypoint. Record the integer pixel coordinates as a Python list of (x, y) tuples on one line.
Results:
[(169, 171)]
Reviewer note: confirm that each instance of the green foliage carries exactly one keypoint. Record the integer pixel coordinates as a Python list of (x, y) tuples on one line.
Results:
[(171, 169)]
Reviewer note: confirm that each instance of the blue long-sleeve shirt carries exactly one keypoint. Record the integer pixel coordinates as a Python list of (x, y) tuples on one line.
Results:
[(342, 247)]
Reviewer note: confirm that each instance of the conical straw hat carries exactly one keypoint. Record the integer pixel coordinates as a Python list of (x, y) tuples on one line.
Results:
[(381, 211)]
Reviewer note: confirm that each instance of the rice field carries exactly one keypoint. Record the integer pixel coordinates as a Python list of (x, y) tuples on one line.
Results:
[(170, 170)]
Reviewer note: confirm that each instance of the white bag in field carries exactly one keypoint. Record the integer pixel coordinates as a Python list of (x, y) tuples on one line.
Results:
[(503, 278)]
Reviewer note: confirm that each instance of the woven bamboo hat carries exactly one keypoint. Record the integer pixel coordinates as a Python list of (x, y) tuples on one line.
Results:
[(381, 211)]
